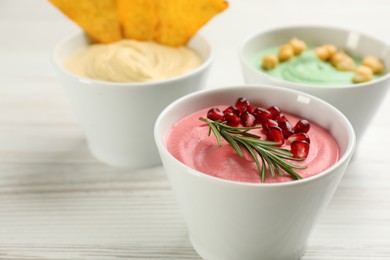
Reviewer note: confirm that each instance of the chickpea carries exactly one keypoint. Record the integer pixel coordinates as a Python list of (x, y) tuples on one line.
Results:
[(286, 52), (337, 57), (298, 46), (346, 64), (330, 48), (374, 63), (362, 74), (270, 62), (322, 53)]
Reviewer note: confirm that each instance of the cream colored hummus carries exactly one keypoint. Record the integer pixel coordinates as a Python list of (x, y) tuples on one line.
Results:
[(132, 61)]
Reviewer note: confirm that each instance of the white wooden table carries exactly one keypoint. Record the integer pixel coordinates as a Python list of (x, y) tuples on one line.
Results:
[(58, 202)]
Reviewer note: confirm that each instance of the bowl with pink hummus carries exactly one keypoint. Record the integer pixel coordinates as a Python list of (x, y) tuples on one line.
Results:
[(117, 90), (356, 85), (233, 209)]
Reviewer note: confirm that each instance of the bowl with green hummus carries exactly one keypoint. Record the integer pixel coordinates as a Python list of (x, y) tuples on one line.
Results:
[(117, 90), (345, 67)]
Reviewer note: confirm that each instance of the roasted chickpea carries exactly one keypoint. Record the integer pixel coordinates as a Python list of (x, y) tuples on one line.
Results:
[(346, 64), (374, 63), (270, 62), (322, 53), (286, 52), (298, 46), (330, 48), (337, 57), (362, 74)]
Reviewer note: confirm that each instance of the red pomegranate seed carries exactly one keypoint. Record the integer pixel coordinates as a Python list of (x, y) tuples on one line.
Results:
[(231, 119), (231, 109), (261, 114), (298, 137), (250, 109), (242, 104), (300, 149), (215, 114), (281, 118), (247, 119), (268, 123), (287, 128), (302, 126), (274, 110), (275, 134)]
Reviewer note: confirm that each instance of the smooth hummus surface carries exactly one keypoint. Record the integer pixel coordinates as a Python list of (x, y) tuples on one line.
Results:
[(132, 61)]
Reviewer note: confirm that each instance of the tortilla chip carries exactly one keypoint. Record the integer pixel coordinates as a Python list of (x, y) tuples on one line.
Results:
[(98, 18), (169, 22), (138, 18), (179, 20)]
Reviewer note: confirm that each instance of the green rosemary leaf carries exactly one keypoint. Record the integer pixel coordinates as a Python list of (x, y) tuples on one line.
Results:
[(277, 167), (279, 151), (232, 142), (270, 165), (254, 156), (209, 132), (283, 163), (292, 173), (217, 134), (263, 170)]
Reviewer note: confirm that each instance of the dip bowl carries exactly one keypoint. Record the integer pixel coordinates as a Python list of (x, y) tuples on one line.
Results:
[(236, 220), (358, 102), (118, 118)]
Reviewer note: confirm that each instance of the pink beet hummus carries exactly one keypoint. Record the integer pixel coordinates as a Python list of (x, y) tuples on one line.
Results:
[(188, 141)]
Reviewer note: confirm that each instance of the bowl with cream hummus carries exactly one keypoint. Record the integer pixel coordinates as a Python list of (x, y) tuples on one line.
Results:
[(338, 84), (117, 90), (229, 211)]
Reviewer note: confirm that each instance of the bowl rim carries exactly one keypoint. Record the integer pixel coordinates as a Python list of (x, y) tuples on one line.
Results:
[(297, 85), (100, 83), (219, 181)]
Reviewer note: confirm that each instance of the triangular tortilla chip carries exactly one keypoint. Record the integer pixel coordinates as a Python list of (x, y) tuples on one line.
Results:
[(179, 20), (98, 18), (169, 22), (138, 18)]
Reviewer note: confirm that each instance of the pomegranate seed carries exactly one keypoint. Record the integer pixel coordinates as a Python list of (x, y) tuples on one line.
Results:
[(300, 149), (281, 118), (250, 109), (231, 109), (302, 126), (247, 119), (215, 114), (287, 128), (268, 123), (242, 104), (298, 137), (275, 134), (261, 114), (231, 119), (274, 110)]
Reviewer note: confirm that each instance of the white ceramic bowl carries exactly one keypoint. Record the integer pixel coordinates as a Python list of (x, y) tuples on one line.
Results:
[(358, 102), (118, 118), (235, 220)]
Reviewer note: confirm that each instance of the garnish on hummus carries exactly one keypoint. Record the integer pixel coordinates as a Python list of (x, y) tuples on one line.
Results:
[(267, 154), (324, 64)]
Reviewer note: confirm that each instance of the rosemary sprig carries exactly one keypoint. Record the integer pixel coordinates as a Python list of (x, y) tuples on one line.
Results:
[(266, 154)]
